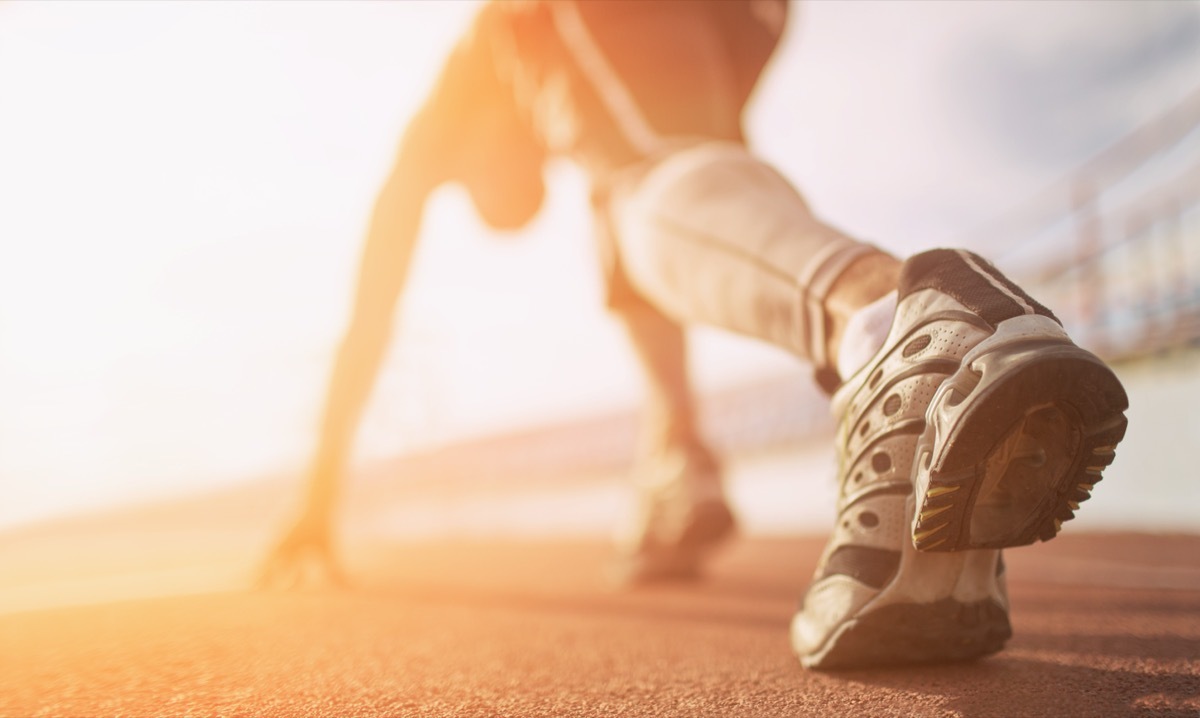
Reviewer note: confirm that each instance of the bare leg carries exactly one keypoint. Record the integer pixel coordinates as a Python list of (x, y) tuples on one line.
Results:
[(661, 347), (681, 510)]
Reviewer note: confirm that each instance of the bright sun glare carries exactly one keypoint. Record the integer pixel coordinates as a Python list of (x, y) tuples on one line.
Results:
[(184, 185), (184, 188)]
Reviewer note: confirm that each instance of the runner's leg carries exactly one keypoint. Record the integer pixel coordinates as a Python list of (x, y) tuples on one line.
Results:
[(713, 235), (680, 512), (973, 423)]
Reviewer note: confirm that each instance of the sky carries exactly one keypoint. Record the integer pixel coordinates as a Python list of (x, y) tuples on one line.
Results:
[(184, 188)]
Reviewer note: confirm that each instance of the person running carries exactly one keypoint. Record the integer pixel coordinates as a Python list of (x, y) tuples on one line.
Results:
[(967, 420)]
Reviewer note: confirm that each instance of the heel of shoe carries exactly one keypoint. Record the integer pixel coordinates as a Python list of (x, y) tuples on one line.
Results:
[(1014, 442)]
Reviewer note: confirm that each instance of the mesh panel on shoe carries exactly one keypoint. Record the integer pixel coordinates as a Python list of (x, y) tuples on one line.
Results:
[(871, 566), (946, 271)]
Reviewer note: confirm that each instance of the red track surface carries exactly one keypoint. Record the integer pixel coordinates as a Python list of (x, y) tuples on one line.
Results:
[(1105, 626)]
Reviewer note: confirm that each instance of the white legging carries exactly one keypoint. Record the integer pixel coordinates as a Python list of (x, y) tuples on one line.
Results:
[(711, 234)]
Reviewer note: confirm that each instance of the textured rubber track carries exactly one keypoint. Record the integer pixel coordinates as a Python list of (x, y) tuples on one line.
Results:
[(907, 633), (1014, 442)]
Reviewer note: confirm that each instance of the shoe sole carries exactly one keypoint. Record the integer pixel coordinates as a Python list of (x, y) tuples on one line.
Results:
[(1015, 440), (939, 632), (709, 525)]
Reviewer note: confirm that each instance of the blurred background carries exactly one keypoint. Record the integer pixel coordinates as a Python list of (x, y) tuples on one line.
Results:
[(184, 188)]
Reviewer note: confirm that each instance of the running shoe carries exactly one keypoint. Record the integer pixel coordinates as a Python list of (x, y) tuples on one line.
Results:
[(679, 518), (1021, 430), (886, 590)]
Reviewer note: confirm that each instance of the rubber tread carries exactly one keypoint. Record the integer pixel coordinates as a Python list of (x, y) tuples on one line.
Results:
[(907, 633), (1037, 375)]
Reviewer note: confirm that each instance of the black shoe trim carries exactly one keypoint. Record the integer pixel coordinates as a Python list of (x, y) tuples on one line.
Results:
[(871, 566), (946, 271)]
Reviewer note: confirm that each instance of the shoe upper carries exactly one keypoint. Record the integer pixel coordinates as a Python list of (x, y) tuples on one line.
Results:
[(870, 561)]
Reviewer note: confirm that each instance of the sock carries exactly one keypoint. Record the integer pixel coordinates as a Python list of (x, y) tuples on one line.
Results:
[(865, 334)]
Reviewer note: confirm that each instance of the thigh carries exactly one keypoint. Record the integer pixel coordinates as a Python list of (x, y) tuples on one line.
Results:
[(715, 208), (711, 234)]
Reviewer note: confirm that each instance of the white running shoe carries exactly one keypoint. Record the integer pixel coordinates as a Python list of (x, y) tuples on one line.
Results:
[(680, 517), (978, 395)]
